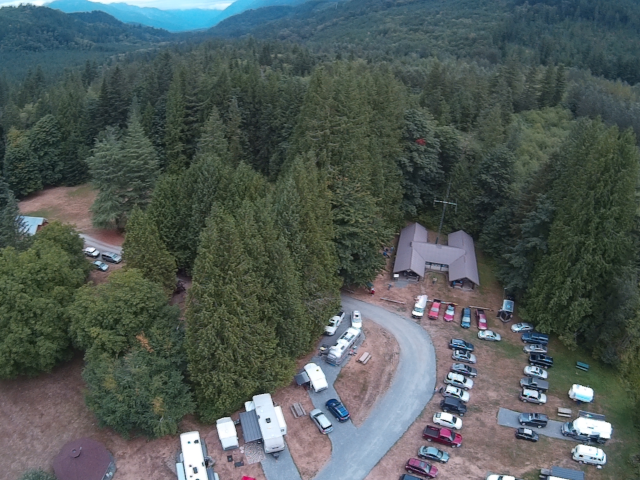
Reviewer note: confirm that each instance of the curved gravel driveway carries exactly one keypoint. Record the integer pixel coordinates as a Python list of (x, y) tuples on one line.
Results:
[(355, 451)]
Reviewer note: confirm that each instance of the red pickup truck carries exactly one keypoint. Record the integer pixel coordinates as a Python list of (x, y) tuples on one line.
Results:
[(442, 435)]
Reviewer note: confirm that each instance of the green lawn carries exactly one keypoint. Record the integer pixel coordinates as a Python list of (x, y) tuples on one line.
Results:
[(81, 191), (611, 399), (48, 213)]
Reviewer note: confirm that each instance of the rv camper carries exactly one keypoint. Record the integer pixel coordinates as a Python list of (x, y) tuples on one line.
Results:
[(227, 433), (587, 429), (316, 377), (194, 462), (261, 423), (580, 393), (340, 350)]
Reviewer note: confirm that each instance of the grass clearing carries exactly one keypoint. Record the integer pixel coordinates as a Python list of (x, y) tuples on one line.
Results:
[(84, 190), (48, 213)]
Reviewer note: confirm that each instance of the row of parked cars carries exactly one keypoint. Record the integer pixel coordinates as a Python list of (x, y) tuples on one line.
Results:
[(110, 257), (459, 380), (448, 312), (534, 385)]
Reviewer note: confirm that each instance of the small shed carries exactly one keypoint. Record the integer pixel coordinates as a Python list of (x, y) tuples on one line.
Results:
[(32, 224), (84, 459)]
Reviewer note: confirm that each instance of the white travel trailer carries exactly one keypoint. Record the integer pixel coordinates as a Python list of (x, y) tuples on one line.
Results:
[(420, 306), (588, 429), (272, 437), (580, 393), (316, 377), (193, 461), (340, 350), (227, 433)]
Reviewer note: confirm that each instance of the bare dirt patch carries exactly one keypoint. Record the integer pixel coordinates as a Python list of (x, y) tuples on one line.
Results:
[(360, 386), (69, 205)]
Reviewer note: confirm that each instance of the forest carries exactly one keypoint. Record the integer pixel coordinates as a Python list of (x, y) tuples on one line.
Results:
[(273, 173)]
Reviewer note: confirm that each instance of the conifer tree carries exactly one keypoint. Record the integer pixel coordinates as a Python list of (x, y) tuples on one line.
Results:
[(590, 240), (233, 352), (143, 250), (44, 142), (176, 129), (12, 229), (21, 169)]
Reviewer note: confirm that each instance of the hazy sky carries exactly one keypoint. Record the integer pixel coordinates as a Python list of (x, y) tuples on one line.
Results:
[(163, 4)]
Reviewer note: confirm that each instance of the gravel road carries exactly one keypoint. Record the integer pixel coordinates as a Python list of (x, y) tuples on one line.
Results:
[(355, 451)]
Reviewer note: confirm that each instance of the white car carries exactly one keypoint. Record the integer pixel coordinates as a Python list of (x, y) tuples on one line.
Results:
[(489, 335), (447, 420), (356, 319), (456, 392), (493, 476), (533, 396), (532, 371), (458, 380), (91, 252), (522, 327), (334, 323), (533, 348)]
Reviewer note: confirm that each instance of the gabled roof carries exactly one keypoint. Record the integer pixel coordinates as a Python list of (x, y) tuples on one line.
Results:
[(414, 251)]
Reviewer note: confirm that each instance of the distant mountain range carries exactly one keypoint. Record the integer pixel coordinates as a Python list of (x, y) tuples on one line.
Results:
[(171, 20)]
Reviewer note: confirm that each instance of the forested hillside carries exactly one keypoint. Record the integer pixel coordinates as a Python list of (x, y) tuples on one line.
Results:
[(273, 173)]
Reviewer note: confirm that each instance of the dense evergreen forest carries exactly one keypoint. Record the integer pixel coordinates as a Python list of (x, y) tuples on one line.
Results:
[(274, 173)]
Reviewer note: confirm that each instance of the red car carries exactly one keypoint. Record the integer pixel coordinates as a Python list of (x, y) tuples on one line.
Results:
[(450, 313), (435, 309), (481, 318), (421, 468), (442, 435)]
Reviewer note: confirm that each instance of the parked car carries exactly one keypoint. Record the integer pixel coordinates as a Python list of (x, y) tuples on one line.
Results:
[(493, 476), (459, 344), (465, 320), (338, 410), (356, 319), (111, 257), (541, 360), (91, 252), (489, 335), (535, 348), (522, 327), (406, 476), (538, 420), (458, 380), (464, 369), (463, 356), (419, 467), (434, 312), (334, 323), (526, 434), (442, 435), (447, 420), (533, 383), (456, 392), (533, 396), (535, 337), (533, 371), (450, 404), (103, 267), (589, 454), (433, 453), (450, 313), (481, 318), (321, 421)]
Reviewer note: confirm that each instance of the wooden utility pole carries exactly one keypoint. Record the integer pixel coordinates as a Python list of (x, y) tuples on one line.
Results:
[(444, 203)]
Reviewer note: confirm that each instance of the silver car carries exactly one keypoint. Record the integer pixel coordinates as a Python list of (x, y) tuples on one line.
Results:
[(463, 356), (533, 396), (321, 421), (522, 327), (535, 349)]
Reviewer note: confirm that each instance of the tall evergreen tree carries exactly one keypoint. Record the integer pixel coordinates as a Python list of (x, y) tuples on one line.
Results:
[(21, 170), (143, 250), (590, 237), (44, 142), (12, 229)]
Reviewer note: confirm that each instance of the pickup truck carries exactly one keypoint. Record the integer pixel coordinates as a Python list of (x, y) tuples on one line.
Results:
[(334, 323), (534, 384), (442, 435)]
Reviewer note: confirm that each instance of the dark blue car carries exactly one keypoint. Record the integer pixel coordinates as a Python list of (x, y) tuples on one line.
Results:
[(338, 410)]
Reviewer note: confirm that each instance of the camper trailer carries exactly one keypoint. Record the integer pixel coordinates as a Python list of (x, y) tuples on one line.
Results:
[(316, 377), (579, 393), (193, 461), (227, 433), (340, 350), (272, 438), (587, 429), (420, 306)]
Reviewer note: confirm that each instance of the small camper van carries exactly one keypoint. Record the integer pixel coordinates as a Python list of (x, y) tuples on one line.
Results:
[(590, 455), (420, 306), (579, 393)]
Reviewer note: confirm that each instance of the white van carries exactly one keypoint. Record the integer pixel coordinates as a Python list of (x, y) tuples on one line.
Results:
[(420, 306), (590, 455)]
